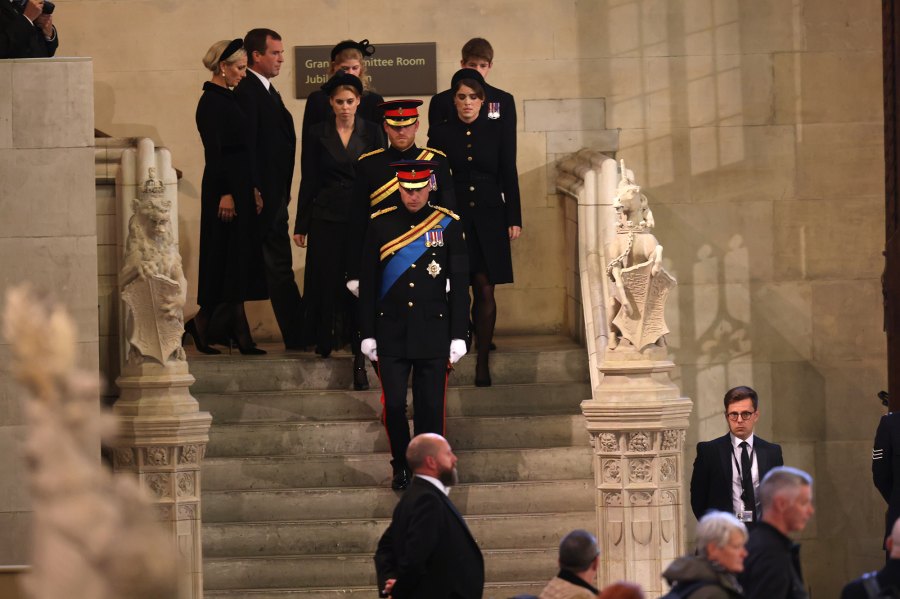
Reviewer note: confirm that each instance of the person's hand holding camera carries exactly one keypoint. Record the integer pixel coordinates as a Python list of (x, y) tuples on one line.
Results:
[(45, 22), (33, 9)]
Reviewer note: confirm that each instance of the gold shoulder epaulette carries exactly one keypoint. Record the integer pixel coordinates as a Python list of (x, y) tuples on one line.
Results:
[(385, 211), (435, 151), (447, 211), (372, 153)]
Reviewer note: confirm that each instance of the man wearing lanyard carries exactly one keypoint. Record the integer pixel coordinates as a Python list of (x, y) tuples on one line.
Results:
[(727, 470)]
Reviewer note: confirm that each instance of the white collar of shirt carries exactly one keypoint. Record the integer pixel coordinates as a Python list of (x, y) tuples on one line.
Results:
[(443, 489), (266, 83), (736, 442)]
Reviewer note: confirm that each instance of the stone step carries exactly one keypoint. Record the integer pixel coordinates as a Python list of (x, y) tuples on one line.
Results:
[(357, 570), (290, 371), (492, 590), (504, 531), (378, 502), (359, 470), (286, 406), (358, 436)]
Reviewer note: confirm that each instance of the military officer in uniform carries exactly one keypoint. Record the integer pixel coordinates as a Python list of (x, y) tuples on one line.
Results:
[(886, 467), (414, 304), (376, 188)]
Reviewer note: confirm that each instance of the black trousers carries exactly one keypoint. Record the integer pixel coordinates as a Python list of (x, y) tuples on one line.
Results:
[(286, 301), (429, 389)]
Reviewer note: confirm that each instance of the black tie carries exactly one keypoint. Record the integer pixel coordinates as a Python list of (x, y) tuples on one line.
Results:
[(748, 496), (275, 94)]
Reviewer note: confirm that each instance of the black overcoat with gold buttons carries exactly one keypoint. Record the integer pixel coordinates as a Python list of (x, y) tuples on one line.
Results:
[(483, 160), (417, 317)]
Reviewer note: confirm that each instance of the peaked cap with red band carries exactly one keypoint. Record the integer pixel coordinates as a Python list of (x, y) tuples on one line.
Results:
[(401, 113), (414, 174)]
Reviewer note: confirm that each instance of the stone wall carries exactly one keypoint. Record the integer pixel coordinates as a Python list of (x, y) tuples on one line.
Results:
[(755, 128), (47, 236)]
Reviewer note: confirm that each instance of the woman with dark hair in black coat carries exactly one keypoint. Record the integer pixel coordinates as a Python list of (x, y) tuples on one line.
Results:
[(328, 170), (231, 261), (482, 157)]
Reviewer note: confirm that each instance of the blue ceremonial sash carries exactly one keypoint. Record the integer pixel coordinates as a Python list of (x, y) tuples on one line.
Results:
[(405, 258)]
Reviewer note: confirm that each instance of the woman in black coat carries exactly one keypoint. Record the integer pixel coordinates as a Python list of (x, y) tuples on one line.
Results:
[(483, 160), (348, 57), (328, 169), (231, 261)]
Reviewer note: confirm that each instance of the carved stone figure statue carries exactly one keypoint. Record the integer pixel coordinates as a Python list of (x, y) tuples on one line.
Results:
[(152, 280), (638, 285)]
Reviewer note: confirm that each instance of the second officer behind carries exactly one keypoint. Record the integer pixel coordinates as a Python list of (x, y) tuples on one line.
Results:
[(414, 303)]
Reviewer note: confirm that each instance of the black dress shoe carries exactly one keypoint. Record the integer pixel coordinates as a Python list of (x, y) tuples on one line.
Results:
[(191, 329), (400, 480), (482, 375)]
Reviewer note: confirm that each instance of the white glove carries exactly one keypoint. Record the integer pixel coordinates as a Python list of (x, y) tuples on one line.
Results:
[(448, 285), (370, 348), (457, 350), (353, 286)]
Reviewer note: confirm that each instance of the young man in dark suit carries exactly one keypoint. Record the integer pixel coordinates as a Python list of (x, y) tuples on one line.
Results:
[(274, 144), (428, 552), (27, 32), (727, 470)]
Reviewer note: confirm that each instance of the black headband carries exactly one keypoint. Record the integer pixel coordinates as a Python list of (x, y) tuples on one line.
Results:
[(467, 74), (231, 48), (342, 78), (364, 47)]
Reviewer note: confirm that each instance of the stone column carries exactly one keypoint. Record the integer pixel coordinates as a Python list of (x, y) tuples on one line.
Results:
[(163, 435), (637, 422), (162, 439)]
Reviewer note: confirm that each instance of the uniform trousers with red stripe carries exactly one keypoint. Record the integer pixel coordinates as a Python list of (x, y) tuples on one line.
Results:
[(429, 390)]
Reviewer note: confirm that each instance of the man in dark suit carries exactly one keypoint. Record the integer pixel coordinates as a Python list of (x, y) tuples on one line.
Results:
[(478, 54), (28, 32), (274, 144), (886, 468), (428, 552), (414, 303), (727, 470)]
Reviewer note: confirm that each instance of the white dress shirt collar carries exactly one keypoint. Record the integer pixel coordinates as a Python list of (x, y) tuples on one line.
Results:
[(266, 83), (736, 442), (443, 489)]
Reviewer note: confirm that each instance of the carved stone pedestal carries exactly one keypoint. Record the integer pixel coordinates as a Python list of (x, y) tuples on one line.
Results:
[(162, 440), (637, 422)]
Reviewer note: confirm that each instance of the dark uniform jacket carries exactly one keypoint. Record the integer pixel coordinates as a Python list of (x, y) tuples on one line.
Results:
[(273, 142), (19, 38), (329, 171), (318, 109), (441, 109), (886, 466), (231, 260), (372, 190), (483, 159), (772, 567), (429, 549), (416, 318), (887, 578), (711, 479)]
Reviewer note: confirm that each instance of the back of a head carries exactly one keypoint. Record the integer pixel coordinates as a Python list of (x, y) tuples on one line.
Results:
[(422, 446), (577, 551), (782, 480), (622, 590)]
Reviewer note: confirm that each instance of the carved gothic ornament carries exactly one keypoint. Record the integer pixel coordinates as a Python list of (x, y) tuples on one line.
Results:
[(185, 483), (158, 485), (639, 441), (668, 497), (156, 456), (640, 470), (667, 470), (612, 472), (641, 498), (187, 511), (190, 454), (642, 532), (612, 499), (670, 440), (609, 442)]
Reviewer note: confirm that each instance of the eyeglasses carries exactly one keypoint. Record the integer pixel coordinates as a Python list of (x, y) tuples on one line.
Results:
[(744, 416)]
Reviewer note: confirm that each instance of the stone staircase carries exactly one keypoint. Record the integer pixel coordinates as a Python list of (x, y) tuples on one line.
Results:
[(296, 477)]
